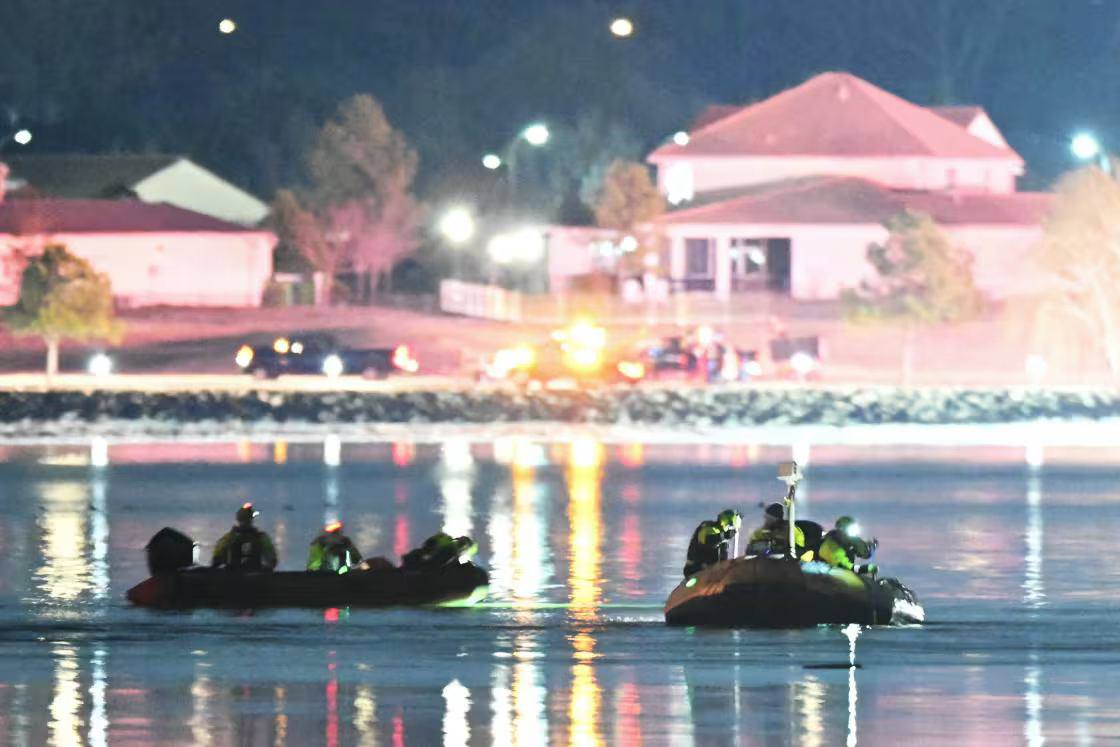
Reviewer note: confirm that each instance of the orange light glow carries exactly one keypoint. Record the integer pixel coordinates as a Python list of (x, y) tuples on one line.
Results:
[(334, 526), (281, 345), (244, 356), (632, 370), (403, 359)]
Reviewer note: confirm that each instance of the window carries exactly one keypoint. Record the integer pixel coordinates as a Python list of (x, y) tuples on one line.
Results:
[(698, 257), (748, 256)]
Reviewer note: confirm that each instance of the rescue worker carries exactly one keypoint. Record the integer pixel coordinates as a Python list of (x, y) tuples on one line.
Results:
[(439, 550), (843, 545), (772, 538), (711, 541), (332, 551), (244, 548)]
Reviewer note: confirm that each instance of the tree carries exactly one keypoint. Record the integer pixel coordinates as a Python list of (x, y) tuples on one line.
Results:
[(628, 202), (922, 279), (357, 211), (62, 297), (1081, 251)]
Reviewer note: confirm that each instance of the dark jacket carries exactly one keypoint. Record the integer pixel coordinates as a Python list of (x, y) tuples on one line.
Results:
[(244, 548), (709, 545), (331, 552)]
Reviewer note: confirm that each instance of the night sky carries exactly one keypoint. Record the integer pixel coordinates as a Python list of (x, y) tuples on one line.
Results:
[(460, 77)]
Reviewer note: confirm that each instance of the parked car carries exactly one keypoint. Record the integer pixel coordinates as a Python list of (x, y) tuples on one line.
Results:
[(321, 354)]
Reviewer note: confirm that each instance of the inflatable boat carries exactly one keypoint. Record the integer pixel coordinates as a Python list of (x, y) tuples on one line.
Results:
[(777, 592), (177, 583), (453, 585)]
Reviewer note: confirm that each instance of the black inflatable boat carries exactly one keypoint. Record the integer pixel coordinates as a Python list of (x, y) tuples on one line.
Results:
[(178, 584), (777, 592), (459, 584)]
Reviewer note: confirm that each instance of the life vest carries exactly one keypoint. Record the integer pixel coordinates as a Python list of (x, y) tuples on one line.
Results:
[(245, 549), (707, 547)]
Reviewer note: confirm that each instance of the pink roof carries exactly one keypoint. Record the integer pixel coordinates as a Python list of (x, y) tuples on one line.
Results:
[(712, 113), (959, 115), (850, 200), (104, 216), (835, 114)]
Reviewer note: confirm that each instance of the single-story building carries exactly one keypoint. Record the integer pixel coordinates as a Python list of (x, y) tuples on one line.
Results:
[(154, 254), (155, 178)]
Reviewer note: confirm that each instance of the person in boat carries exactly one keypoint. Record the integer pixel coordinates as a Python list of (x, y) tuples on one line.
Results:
[(772, 538), (711, 541), (332, 551), (842, 546), (245, 548), (439, 550)]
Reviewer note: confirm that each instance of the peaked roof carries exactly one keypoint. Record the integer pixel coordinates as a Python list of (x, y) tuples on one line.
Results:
[(959, 115), (32, 217), (83, 177), (712, 113), (834, 114), (851, 200)]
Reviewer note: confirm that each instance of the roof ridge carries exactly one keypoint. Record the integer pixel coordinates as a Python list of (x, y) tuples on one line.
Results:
[(760, 105), (881, 97)]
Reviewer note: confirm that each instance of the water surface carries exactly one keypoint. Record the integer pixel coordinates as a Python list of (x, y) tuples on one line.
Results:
[(1012, 553)]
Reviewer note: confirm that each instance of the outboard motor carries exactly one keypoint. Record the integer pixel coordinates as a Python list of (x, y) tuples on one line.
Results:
[(169, 550)]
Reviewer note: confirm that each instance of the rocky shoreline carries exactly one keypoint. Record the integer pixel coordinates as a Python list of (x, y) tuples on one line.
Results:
[(44, 412)]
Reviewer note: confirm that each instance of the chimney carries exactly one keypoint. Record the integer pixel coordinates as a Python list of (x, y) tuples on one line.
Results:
[(4, 171)]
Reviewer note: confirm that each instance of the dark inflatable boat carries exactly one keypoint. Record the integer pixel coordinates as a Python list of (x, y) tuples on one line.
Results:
[(177, 584), (776, 592), (459, 584)]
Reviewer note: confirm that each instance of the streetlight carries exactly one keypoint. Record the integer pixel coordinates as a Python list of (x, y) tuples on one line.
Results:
[(1086, 147), (19, 137), (492, 161), (457, 225), (536, 134), (622, 27), (227, 26), (681, 138)]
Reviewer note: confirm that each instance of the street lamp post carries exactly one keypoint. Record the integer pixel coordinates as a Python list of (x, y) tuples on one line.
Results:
[(1086, 147), (457, 226), (19, 137)]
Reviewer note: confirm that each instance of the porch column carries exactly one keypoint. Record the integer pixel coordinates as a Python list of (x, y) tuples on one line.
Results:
[(676, 259), (723, 267)]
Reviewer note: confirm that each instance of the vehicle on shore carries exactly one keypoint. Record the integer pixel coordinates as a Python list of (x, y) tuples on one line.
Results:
[(320, 354), (576, 356)]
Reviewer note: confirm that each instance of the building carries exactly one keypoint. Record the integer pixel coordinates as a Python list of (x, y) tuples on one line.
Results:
[(153, 254), (786, 194), (174, 180)]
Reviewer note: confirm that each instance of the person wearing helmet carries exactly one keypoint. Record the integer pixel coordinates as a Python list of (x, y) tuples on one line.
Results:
[(244, 548), (711, 541), (332, 551), (842, 546), (772, 538), (439, 550)]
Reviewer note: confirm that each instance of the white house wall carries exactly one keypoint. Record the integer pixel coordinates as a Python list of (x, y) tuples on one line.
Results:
[(174, 269), (827, 259), (712, 174), (190, 186)]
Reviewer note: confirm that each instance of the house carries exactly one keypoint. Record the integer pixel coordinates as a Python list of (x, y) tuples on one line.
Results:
[(153, 254), (786, 194), (174, 180)]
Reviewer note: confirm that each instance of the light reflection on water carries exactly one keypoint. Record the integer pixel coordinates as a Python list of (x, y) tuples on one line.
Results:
[(584, 540)]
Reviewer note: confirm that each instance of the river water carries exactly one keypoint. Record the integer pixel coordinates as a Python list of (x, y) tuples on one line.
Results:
[(1011, 551)]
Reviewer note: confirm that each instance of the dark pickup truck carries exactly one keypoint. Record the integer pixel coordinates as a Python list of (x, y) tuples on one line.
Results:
[(321, 354)]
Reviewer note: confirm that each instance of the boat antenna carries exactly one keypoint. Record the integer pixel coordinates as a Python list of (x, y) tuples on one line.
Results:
[(790, 474)]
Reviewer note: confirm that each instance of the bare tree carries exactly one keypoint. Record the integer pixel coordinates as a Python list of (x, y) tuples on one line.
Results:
[(1081, 252)]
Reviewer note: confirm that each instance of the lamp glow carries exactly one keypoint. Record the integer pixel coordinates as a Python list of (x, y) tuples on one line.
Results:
[(22, 137), (622, 27), (100, 365), (1085, 146), (536, 134), (457, 225), (681, 138), (227, 26), (492, 161), (333, 366)]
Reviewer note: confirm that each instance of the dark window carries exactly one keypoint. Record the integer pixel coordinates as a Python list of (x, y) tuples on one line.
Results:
[(698, 257)]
